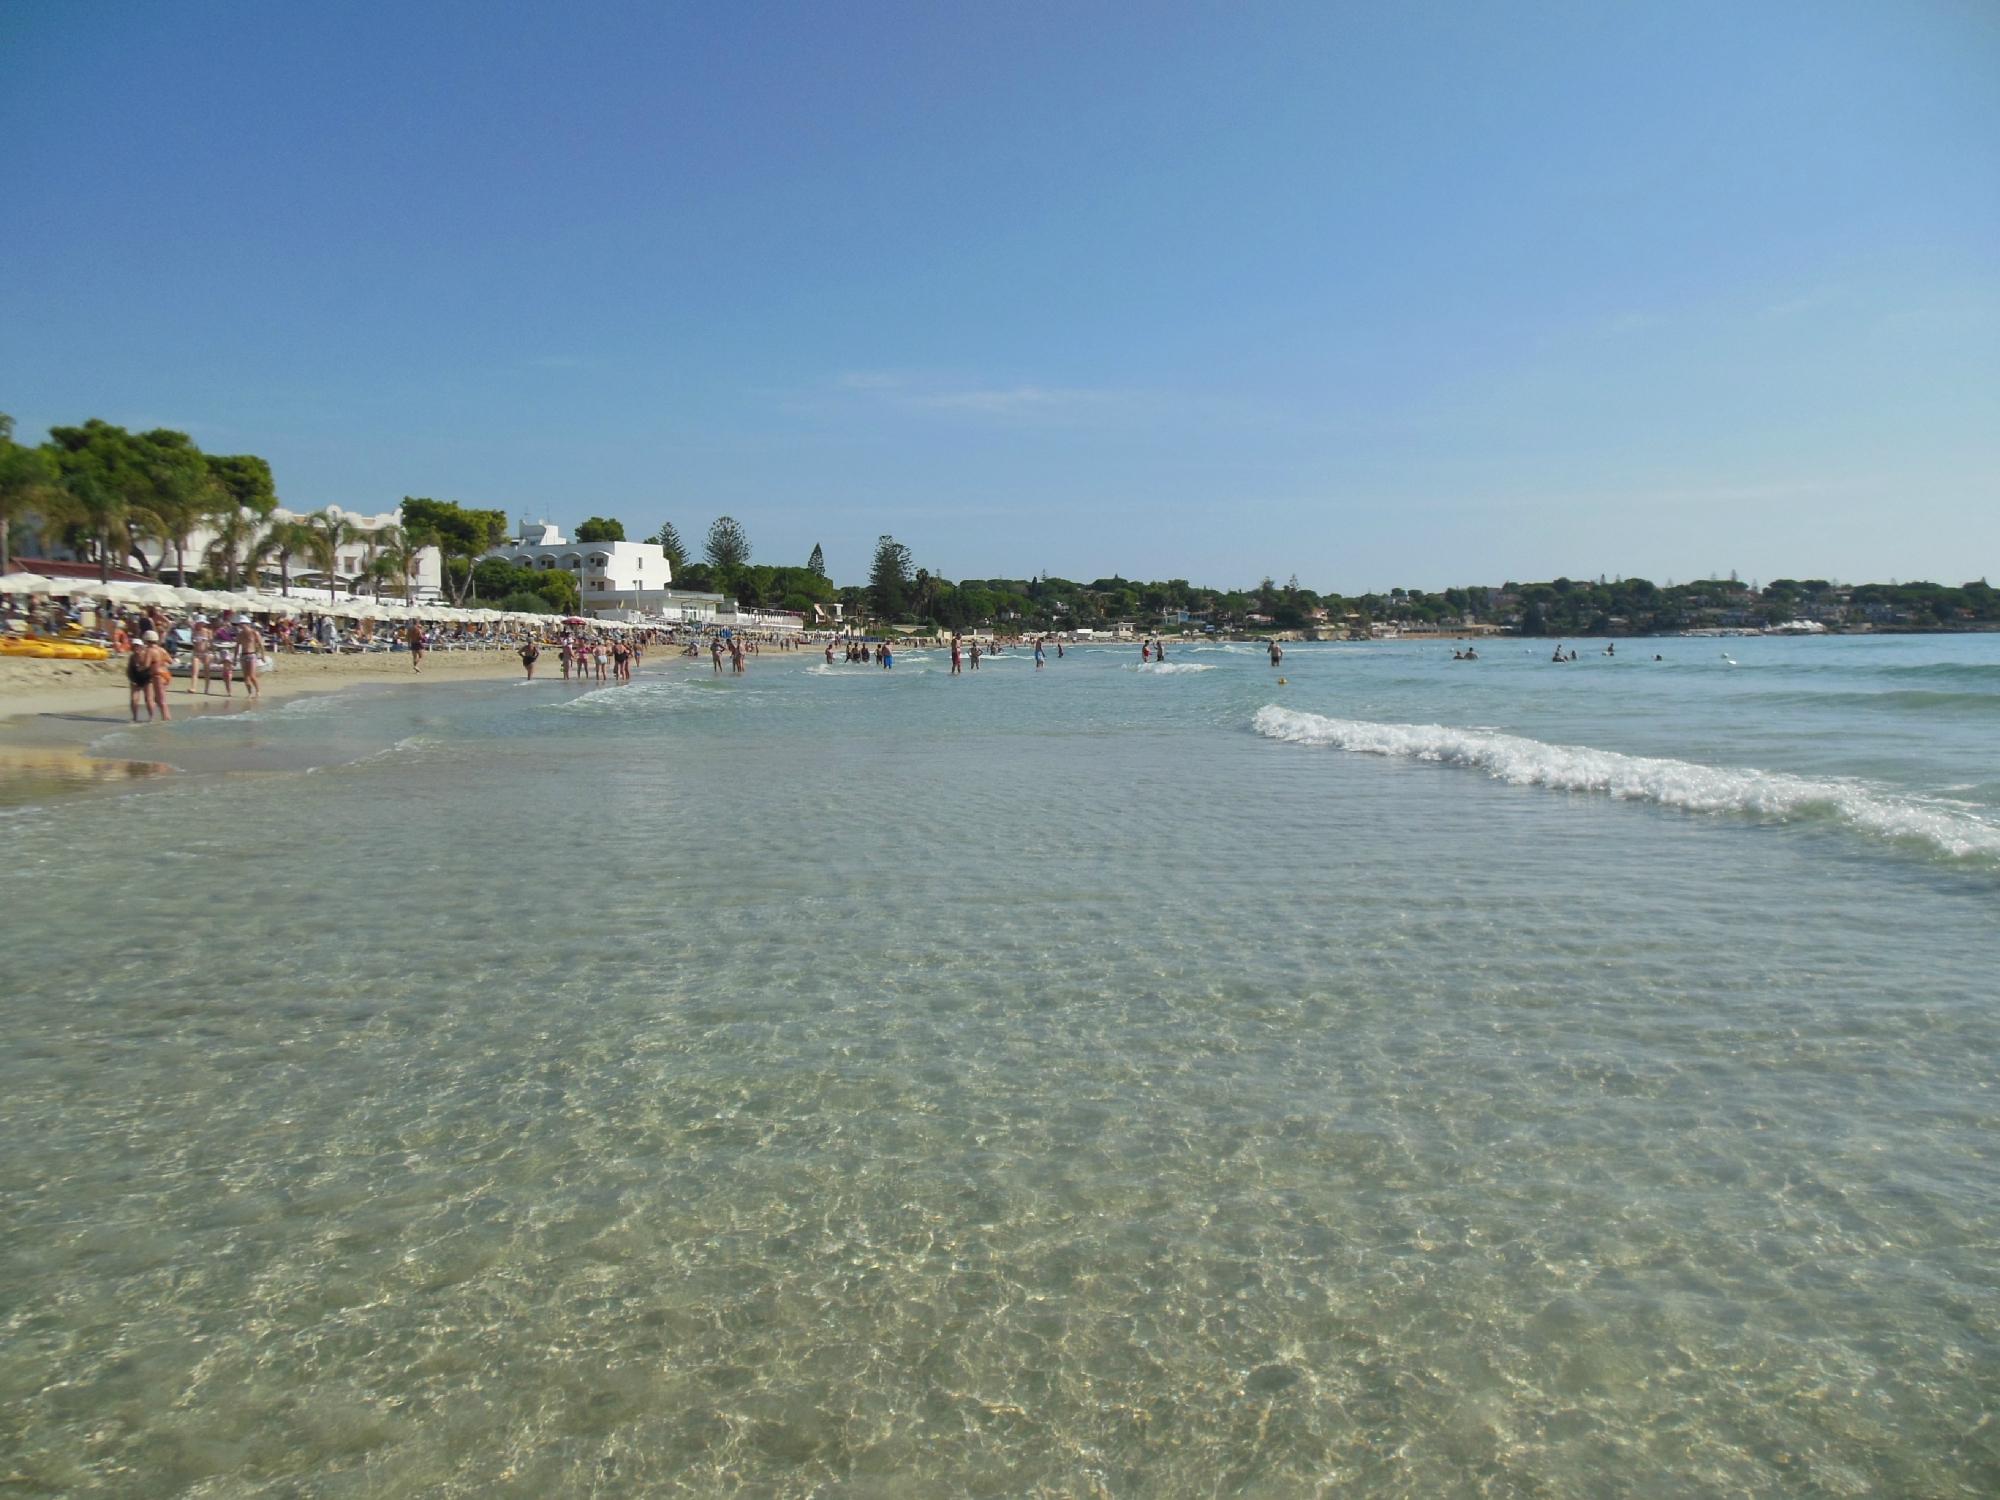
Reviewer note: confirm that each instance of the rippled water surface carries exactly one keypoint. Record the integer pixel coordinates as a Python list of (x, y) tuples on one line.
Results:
[(1415, 1078)]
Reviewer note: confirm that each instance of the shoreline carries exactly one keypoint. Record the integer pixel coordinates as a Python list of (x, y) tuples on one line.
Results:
[(51, 711)]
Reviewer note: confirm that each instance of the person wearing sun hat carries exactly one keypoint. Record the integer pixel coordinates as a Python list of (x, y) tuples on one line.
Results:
[(147, 670)]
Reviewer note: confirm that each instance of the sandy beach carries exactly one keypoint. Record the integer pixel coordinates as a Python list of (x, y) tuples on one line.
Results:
[(44, 703)]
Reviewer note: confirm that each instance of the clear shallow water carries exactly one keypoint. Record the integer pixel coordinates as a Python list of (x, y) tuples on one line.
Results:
[(1483, 1077)]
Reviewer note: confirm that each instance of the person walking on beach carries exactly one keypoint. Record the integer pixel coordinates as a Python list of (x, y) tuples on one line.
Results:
[(224, 652), (250, 658), (200, 645), (530, 654), (414, 639), (147, 670)]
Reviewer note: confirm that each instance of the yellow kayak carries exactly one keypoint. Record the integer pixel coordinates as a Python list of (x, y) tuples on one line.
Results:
[(14, 645)]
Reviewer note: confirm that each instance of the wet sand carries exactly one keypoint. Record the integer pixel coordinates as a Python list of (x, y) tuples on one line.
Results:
[(91, 692)]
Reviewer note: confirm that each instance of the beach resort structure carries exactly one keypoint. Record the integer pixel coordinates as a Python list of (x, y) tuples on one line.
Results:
[(612, 578), (634, 581), (351, 561)]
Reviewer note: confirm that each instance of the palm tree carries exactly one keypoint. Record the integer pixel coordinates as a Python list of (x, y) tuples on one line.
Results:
[(283, 540), (145, 524), (376, 542), (235, 544), (401, 557), (325, 534)]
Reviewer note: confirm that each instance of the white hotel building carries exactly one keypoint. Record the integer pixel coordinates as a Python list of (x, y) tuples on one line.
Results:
[(633, 580), (634, 576)]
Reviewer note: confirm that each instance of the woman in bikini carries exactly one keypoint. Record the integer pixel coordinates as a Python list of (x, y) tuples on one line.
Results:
[(250, 658), (147, 671), (202, 644)]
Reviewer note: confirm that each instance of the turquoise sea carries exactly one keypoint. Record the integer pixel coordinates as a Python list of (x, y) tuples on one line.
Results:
[(1416, 1078)]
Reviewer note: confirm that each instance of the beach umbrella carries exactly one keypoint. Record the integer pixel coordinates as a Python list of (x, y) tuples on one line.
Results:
[(26, 583)]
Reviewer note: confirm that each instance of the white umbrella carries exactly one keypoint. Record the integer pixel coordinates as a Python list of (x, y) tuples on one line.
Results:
[(26, 583)]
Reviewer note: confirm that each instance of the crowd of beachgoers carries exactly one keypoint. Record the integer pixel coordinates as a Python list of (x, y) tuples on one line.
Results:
[(222, 648)]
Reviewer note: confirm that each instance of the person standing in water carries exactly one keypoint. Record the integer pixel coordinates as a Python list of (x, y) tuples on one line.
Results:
[(1277, 653), (250, 658), (530, 654), (139, 673), (954, 656), (1040, 659)]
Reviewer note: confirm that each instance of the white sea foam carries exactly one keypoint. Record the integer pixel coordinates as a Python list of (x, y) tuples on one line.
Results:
[(1670, 783), (1169, 668), (639, 695)]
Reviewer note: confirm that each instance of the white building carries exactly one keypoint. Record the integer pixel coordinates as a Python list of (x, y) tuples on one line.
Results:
[(622, 576), (351, 561)]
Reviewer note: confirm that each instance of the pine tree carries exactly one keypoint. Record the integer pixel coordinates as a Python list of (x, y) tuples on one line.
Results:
[(670, 543), (817, 562), (727, 546), (889, 579)]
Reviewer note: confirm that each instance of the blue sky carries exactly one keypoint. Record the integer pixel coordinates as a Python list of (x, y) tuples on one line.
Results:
[(1381, 295)]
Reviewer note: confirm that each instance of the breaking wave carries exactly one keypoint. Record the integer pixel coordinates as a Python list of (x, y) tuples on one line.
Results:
[(1170, 668), (1668, 783)]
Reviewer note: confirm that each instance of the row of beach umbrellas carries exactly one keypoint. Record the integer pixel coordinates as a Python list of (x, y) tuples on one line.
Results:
[(147, 591)]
